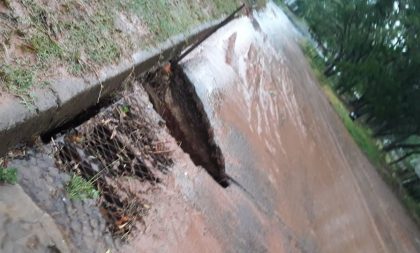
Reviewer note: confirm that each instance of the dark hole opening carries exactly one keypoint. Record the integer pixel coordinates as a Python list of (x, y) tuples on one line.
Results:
[(175, 99), (79, 119)]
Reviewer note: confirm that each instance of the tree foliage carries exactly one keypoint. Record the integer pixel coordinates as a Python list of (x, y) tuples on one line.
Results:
[(372, 52)]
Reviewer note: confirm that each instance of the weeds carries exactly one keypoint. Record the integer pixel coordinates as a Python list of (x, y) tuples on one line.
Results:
[(45, 48), (79, 189), (8, 175)]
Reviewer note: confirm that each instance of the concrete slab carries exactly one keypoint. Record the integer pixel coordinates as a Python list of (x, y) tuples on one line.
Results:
[(305, 185), (24, 227)]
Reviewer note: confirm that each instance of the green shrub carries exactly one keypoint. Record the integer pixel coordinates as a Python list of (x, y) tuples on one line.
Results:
[(8, 175)]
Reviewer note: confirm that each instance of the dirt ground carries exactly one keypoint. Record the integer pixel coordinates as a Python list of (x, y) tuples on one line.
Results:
[(302, 184)]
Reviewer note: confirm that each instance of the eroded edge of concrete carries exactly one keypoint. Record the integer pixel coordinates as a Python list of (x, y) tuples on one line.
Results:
[(65, 98)]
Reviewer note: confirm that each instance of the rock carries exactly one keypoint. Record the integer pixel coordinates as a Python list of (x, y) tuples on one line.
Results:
[(24, 227)]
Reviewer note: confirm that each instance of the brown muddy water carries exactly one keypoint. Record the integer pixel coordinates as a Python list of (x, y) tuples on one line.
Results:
[(246, 112)]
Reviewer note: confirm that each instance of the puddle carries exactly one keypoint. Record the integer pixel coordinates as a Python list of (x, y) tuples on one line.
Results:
[(175, 99)]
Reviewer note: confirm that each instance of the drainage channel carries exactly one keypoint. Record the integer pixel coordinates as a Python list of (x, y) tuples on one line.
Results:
[(116, 145), (108, 145), (175, 99)]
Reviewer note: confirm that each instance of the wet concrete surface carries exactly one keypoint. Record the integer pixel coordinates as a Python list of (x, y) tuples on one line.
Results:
[(80, 223), (285, 145), (303, 184), (25, 227)]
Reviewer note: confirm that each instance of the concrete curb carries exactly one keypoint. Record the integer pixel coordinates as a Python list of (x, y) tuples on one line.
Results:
[(68, 97)]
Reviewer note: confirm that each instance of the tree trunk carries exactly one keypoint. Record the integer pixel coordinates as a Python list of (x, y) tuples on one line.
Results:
[(329, 70), (403, 146)]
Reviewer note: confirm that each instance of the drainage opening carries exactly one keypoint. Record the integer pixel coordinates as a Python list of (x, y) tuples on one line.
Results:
[(175, 99), (111, 149), (80, 118)]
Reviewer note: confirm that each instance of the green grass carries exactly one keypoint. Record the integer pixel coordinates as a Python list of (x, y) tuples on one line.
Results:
[(166, 17), (97, 47), (45, 48), (225, 5), (16, 79), (82, 35), (8, 175), (79, 189), (360, 133)]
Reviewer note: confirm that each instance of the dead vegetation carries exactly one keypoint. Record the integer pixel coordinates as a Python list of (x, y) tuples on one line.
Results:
[(120, 153)]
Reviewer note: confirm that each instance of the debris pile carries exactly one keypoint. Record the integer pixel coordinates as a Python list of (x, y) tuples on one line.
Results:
[(112, 150)]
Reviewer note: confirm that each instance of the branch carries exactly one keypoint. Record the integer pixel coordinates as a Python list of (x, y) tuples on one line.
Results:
[(404, 157), (397, 142), (403, 145)]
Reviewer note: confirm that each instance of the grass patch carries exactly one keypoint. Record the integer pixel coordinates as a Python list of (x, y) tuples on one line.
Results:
[(17, 80), (223, 6), (45, 48), (360, 134), (79, 189), (8, 175), (165, 18), (82, 35)]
